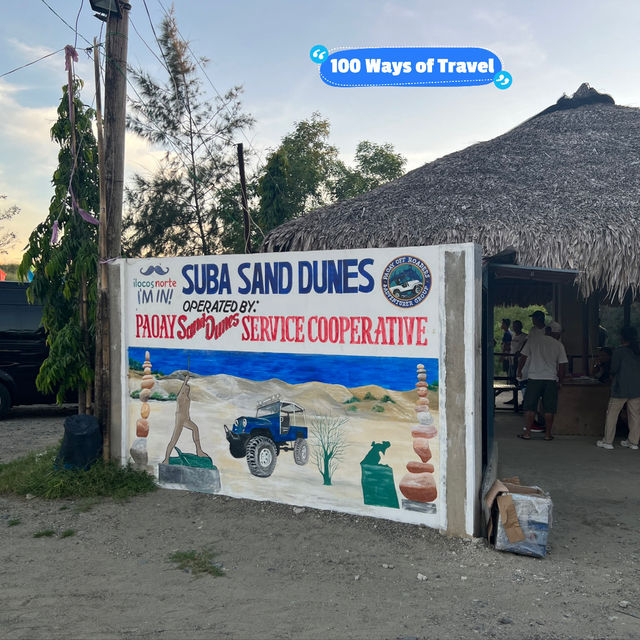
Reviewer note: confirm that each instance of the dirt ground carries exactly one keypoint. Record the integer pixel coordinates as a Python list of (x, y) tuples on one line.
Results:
[(309, 574)]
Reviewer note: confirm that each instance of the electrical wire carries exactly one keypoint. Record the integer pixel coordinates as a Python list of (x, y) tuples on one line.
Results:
[(65, 22), (28, 64)]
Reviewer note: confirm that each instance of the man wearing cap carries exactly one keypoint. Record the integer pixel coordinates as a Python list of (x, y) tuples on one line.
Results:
[(546, 359)]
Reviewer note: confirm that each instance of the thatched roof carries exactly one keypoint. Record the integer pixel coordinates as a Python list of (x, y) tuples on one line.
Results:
[(563, 189)]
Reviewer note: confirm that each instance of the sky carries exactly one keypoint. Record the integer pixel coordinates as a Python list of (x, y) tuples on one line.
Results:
[(549, 48)]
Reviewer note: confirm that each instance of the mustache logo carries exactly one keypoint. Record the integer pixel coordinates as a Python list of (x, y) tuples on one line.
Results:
[(157, 269)]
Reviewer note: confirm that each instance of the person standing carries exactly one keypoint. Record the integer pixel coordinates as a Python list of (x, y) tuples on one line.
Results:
[(546, 359), (518, 340), (507, 337), (625, 389)]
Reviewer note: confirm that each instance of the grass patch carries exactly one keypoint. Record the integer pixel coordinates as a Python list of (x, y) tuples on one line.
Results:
[(352, 408), (67, 533), (351, 400), (387, 398), (154, 396), (369, 396), (378, 408), (35, 474), (85, 505), (14, 522), (198, 562), (45, 533)]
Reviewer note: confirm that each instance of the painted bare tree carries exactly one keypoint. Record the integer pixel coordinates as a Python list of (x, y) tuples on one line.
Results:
[(329, 443)]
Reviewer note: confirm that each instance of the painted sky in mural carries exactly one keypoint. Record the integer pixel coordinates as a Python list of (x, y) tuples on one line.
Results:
[(312, 377)]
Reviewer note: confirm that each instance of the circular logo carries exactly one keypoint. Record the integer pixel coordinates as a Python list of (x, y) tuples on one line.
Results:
[(503, 80), (318, 53), (406, 281)]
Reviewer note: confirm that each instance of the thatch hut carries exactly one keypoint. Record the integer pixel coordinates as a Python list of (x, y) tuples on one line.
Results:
[(562, 189)]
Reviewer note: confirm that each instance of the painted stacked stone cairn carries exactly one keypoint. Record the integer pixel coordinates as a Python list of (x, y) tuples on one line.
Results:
[(138, 449), (418, 486)]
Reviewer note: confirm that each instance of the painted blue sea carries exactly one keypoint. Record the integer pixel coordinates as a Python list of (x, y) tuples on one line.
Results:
[(397, 374)]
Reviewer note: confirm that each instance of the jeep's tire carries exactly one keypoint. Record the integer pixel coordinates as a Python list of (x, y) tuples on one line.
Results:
[(261, 456), (301, 451), (396, 292), (237, 449), (417, 289), (5, 401)]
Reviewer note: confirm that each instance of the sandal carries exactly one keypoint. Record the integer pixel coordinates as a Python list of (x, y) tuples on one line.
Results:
[(522, 436), (548, 438)]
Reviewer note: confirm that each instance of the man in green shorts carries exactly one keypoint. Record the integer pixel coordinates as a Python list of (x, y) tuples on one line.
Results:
[(547, 361)]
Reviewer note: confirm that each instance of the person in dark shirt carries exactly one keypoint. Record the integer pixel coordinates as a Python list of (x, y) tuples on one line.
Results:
[(625, 389), (507, 337)]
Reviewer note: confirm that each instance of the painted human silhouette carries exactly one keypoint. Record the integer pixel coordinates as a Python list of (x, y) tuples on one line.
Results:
[(183, 419)]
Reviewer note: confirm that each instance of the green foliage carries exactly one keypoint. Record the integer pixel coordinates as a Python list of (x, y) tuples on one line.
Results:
[(61, 269), (135, 365), (35, 474), (387, 398), (45, 533), (198, 562), (375, 165), (14, 522), (305, 172), (352, 407), (352, 399), (155, 396), (274, 189), (378, 408), (68, 533), (85, 505), (369, 396), (177, 211), (514, 313)]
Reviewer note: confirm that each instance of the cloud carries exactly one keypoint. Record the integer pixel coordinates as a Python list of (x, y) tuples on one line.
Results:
[(140, 156), (25, 133)]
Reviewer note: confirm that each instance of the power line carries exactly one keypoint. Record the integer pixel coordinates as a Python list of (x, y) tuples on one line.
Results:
[(75, 44), (48, 55), (75, 30)]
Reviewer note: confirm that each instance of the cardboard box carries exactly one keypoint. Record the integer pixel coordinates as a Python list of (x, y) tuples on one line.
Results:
[(520, 518)]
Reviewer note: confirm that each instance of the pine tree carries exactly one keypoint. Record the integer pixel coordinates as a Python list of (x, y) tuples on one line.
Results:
[(178, 210)]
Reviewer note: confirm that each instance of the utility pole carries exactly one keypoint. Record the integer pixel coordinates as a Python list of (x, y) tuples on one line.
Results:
[(245, 202), (115, 108)]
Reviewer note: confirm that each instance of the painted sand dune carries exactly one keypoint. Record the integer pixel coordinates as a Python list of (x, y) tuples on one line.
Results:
[(377, 415)]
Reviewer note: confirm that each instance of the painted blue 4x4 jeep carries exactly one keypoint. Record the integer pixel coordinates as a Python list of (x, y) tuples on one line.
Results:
[(277, 426)]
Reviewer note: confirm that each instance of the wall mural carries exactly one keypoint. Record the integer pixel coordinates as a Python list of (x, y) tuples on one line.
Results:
[(311, 381)]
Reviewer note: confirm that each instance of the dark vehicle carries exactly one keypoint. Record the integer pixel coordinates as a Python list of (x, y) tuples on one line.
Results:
[(23, 348), (277, 426)]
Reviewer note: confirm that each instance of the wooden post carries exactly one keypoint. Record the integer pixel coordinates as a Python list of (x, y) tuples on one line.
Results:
[(115, 111), (245, 203), (111, 197), (102, 412)]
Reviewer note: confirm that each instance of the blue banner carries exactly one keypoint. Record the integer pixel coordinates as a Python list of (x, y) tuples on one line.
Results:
[(410, 67)]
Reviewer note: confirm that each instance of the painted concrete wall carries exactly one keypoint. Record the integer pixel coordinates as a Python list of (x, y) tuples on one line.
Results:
[(455, 408)]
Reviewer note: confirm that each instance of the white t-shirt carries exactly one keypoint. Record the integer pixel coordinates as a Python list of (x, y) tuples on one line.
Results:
[(517, 342), (544, 354)]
